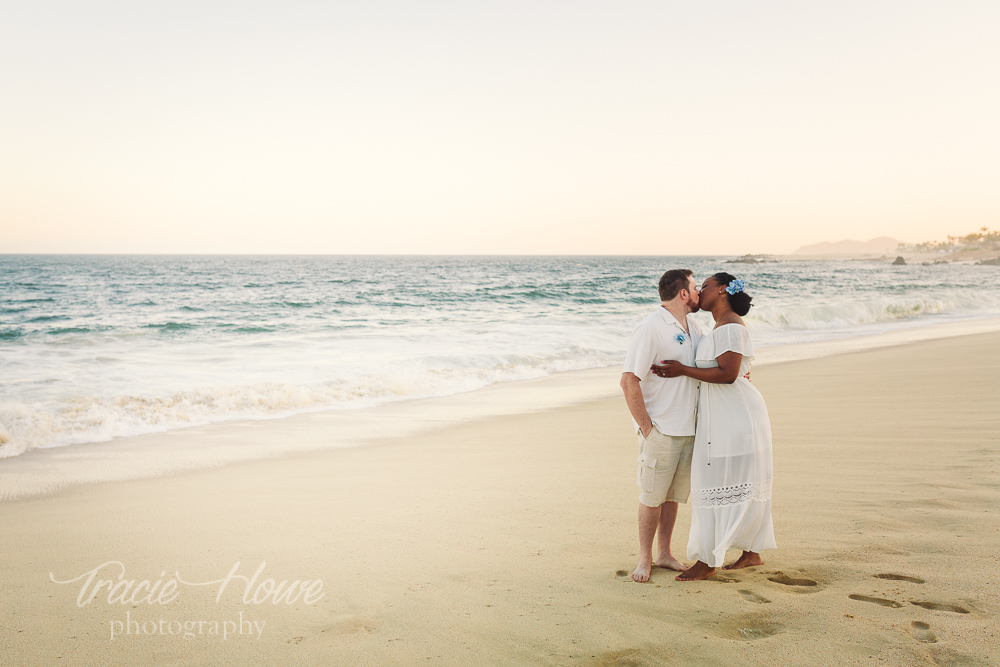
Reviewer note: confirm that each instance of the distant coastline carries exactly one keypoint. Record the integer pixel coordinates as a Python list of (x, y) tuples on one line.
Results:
[(982, 247)]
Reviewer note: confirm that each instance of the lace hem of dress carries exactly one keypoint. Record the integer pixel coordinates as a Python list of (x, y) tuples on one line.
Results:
[(757, 492)]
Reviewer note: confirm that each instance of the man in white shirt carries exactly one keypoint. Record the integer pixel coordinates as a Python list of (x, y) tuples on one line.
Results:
[(663, 413)]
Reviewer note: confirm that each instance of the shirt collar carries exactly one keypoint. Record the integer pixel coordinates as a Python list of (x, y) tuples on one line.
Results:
[(670, 319)]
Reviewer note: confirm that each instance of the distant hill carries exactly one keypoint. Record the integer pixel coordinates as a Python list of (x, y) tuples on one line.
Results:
[(883, 245)]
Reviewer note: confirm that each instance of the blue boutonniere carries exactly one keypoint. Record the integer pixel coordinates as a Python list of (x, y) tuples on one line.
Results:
[(680, 338)]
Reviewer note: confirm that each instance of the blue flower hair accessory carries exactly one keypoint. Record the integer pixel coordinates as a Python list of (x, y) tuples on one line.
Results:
[(680, 338), (736, 286)]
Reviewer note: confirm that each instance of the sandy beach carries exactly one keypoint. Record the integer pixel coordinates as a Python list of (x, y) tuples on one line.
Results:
[(509, 540)]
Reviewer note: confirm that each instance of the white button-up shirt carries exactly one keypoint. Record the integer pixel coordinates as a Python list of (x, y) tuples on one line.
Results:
[(670, 402)]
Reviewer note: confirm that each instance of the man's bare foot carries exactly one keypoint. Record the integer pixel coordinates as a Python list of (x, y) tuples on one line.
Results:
[(669, 563), (641, 572), (746, 559), (696, 572)]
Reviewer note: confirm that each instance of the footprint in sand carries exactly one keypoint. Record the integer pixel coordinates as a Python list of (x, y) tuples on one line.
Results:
[(753, 597), (899, 577), (653, 655), (346, 626), (922, 632), (879, 601), (623, 575), (747, 627), (786, 580), (940, 606), (945, 657)]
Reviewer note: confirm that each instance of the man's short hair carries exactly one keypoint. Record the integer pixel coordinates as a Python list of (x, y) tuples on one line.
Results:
[(672, 282)]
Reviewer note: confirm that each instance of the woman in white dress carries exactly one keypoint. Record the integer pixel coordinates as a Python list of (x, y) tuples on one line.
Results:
[(731, 469)]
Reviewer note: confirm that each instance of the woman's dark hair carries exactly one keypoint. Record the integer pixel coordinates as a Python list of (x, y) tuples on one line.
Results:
[(739, 302)]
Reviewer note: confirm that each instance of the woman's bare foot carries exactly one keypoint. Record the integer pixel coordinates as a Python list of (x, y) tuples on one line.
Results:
[(746, 559), (669, 563), (696, 572)]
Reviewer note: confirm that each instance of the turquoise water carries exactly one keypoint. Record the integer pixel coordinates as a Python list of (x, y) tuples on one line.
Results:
[(95, 347)]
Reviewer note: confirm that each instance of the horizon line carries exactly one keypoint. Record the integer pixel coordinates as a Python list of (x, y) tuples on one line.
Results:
[(362, 254)]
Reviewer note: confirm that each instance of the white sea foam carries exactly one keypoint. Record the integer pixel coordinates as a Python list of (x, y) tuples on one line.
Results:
[(97, 418), (840, 314)]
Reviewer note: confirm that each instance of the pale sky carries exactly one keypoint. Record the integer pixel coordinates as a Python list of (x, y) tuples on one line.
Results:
[(494, 128)]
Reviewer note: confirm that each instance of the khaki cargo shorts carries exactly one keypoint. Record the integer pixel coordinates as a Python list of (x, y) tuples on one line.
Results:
[(664, 468)]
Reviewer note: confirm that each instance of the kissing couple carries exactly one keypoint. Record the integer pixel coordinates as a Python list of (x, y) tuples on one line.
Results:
[(703, 428)]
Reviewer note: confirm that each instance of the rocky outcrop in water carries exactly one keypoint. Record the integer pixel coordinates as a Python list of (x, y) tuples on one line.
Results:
[(752, 259)]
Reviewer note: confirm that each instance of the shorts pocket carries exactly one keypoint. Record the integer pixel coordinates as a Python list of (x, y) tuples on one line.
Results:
[(646, 475)]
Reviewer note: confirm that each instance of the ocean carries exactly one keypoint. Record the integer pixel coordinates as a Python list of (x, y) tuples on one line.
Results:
[(97, 347)]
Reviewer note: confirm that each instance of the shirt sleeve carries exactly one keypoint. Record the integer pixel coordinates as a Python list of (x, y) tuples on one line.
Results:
[(733, 338), (641, 353)]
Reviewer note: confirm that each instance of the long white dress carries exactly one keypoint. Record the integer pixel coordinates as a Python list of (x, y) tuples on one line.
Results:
[(731, 470)]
